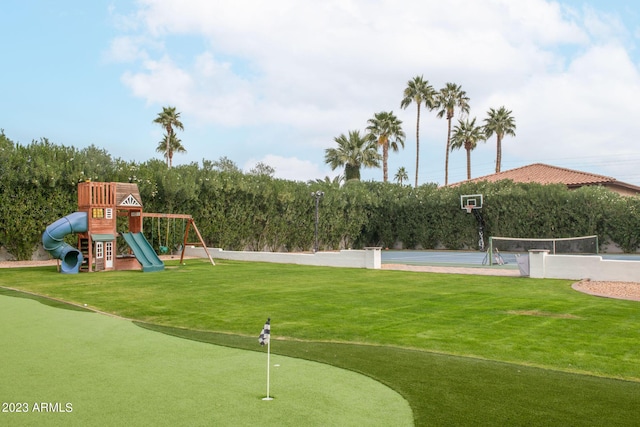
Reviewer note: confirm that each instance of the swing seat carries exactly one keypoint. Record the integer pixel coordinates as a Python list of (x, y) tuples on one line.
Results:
[(163, 250)]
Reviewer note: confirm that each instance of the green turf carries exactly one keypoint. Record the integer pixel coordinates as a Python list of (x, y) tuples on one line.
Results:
[(113, 373), (446, 390), (523, 321)]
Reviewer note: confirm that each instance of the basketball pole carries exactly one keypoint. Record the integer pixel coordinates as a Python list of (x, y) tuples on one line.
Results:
[(472, 203)]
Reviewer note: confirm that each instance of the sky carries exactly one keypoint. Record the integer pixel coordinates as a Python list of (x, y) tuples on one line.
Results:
[(276, 82)]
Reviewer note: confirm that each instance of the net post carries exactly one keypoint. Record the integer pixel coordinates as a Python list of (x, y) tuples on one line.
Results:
[(490, 251)]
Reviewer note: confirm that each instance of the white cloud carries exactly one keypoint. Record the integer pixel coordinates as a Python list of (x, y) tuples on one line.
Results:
[(587, 109), (163, 82), (291, 168), (318, 69), (125, 49)]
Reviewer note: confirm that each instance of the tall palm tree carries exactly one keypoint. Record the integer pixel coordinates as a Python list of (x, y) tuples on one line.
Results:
[(447, 100), (169, 146), (353, 152), (401, 175), (502, 123), (467, 134), (419, 91), (386, 130), (169, 118)]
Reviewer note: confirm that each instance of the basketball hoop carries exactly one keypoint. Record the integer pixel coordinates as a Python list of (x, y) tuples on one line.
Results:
[(469, 208)]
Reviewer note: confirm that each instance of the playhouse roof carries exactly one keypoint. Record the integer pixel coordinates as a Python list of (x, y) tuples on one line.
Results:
[(127, 194)]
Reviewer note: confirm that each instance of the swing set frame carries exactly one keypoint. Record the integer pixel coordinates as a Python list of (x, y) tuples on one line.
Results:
[(190, 223)]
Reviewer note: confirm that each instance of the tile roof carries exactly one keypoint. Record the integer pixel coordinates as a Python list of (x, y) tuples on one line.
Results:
[(545, 174)]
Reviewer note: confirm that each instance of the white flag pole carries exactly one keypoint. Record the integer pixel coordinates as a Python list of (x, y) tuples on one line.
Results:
[(267, 336), (268, 367)]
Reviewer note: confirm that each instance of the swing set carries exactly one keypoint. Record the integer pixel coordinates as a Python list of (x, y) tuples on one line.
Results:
[(186, 219), (164, 243)]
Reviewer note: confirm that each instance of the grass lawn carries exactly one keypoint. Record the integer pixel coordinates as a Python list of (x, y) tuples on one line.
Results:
[(541, 353)]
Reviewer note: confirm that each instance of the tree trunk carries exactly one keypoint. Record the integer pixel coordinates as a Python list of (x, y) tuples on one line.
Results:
[(468, 164), (498, 153), (417, 146), (446, 158), (351, 172), (385, 157), (169, 132)]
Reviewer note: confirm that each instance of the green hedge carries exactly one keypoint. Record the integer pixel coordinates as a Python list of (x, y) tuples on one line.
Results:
[(233, 210)]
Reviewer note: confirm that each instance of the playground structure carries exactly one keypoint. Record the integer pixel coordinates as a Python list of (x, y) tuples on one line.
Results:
[(100, 205)]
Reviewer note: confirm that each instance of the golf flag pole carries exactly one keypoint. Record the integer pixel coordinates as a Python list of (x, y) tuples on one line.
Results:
[(265, 338), (268, 368)]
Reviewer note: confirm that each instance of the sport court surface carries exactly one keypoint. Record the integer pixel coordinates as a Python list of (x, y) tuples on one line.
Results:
[(115, 373), (466, 258)]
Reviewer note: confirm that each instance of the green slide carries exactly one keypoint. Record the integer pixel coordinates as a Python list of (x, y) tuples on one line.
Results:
[(143, 251)]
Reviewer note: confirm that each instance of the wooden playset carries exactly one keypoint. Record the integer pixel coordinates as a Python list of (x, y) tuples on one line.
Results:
[(108, 211)]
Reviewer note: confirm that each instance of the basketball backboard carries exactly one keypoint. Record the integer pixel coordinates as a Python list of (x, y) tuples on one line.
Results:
[(471, 201)]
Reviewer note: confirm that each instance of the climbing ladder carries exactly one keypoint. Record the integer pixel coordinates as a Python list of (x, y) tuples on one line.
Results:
[(83, 246)]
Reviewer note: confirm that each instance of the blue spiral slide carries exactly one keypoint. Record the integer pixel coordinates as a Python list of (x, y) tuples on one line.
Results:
[(53, 241)]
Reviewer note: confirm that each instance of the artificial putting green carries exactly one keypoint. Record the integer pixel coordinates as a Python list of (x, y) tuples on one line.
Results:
[(101, 370)]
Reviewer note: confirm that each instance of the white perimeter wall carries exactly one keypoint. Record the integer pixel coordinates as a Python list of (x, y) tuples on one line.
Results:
[(576, 267), (367, 258)]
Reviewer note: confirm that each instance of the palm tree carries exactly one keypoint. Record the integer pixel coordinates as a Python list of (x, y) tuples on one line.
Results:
[(386, 129), (169, 118), (170, 145), (331, 182), (401, 175), (467, 134), (419, 91), (502, 123), (353, 152), (450, 97)]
